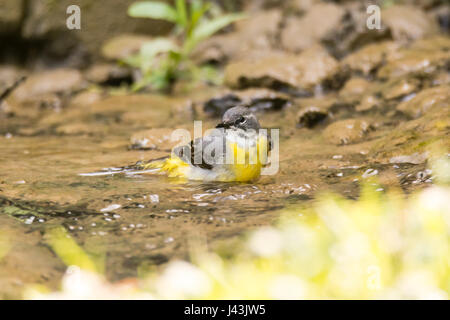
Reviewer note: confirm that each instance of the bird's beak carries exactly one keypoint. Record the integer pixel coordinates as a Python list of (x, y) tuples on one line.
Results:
[(223, 125)]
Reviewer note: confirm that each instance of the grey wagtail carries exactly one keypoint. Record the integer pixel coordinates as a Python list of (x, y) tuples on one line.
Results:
[(234, 151)]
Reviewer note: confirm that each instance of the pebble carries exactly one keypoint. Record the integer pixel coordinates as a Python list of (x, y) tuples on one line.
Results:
[(169, 240), (370, 173), (111, 207), (30, 220)]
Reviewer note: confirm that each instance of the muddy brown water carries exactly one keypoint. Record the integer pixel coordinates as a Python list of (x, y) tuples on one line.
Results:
[(40, 188)]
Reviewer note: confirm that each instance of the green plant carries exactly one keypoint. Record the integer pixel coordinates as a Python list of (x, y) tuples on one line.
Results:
[(165, 59)]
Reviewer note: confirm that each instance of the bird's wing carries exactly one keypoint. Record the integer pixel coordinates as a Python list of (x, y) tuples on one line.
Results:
[(204, 152)]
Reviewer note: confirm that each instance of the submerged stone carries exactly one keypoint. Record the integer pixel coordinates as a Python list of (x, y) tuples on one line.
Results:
[(86, 98), (80, 128), (436, 43), (8, 76), (159, 138), (368, 102), (397, 88), (49, 82), (370, 57), (346, 131), (354, 87), (415, 158), (408, 61), (427, 133), (437, 98)]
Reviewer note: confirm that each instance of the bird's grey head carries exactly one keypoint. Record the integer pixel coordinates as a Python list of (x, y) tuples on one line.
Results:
[(239, 118)]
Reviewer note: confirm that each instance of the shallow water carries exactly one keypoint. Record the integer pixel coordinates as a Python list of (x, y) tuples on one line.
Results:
[(142, 221)]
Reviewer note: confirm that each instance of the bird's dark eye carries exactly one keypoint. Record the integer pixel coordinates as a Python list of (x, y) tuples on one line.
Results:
[(240, 120)]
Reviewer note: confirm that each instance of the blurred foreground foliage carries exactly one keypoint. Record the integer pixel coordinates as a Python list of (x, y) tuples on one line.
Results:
[(382, 246)]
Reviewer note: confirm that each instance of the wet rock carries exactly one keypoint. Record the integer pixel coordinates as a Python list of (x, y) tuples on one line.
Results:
[(260, 29), (110, 115), (315, 110), (346, 131), (311, 116), (302, 33), (159, 139), (10, 79), (10, 15), (216, 49), (109, 74), (354, 87), (442, 15), (253, 36), (217, 106), (441, 78), (433, 43), (8, 76), (184, 109), (255, 99), (437, 98), (414, 61), (397, 88), (429, 132), (80, 128), (368, 102), (148, 111), (408, 23), (299, 72), (123, 46), (352, 32), (385, 95), (415, 158), (49, 82), (86, 98), (370, 57), (301, 6), (46, 20)]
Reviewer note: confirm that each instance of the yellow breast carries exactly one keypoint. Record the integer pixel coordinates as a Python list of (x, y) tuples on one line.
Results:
[(249, 161)]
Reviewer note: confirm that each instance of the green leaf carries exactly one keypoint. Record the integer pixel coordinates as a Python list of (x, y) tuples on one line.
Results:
[(198, 9), (68, 250), (153, 10), (151, 49), (156, 46), (132, 60), (182, 12), (209, 27), (196, 6)]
